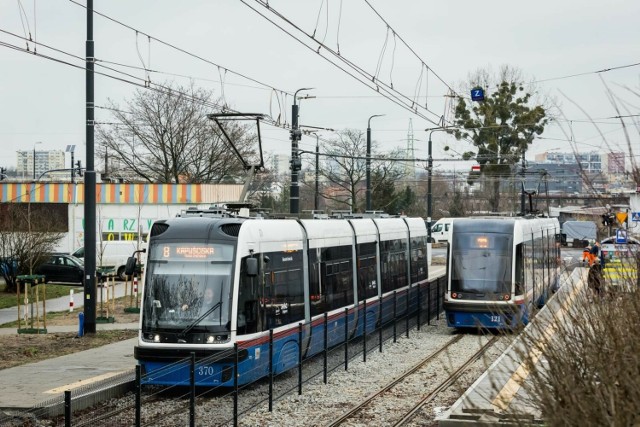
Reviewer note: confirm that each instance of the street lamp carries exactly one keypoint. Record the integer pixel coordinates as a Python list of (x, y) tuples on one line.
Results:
[(429, 174), (71, 149), (34, 158), (296, 164), (368, 167), (316, 201)]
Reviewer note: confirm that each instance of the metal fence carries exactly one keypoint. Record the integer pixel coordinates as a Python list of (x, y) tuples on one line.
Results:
[(126, 400)]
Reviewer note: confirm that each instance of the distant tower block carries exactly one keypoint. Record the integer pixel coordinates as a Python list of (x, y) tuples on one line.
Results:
[(410, 166)]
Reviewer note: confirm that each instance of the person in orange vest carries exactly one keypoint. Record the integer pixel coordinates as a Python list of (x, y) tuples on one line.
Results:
[(586, 255)]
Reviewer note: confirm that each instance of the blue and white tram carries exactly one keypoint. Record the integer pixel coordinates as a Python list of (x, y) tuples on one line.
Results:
[(269, 276), (498, 269)]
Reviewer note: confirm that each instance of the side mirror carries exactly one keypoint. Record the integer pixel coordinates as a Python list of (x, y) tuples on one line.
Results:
[(252, 267), (130, 267)]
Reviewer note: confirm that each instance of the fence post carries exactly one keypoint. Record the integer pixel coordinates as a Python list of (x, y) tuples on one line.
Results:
[(364, 332), (380, 320), (438, 300), (326, 346), (300, 358), (418, 320), (346, 339), (270, 370), (138, 394), (192, 391), (235, 384), (408, 311), (67, 408), (429, 303), (395, 313)]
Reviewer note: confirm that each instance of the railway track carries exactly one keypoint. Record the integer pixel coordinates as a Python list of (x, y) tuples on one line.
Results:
[(405, 394)]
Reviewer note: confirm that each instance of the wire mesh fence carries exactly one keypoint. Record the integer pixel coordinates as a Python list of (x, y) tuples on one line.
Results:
[(328, 344)]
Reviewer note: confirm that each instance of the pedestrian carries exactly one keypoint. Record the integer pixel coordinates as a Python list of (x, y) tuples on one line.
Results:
[(586, 254), (594, 252), (594, 279)]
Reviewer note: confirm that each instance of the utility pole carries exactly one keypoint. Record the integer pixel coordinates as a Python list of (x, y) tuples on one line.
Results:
[(368, 167), (524, 177), (296, 163), (316, 200), (90, 187), (429, 175)]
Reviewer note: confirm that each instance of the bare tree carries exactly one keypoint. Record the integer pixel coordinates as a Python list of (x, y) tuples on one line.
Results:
[(163, 135), (28, 233), (344, 168)]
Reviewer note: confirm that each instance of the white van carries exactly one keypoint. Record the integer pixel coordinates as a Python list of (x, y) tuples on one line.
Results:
[(113, 253), (441, 230)]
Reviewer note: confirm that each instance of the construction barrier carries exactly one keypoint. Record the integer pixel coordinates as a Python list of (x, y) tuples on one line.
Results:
[(131, 289)]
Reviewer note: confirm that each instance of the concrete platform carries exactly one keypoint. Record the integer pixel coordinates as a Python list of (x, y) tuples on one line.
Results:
[(499, 392)]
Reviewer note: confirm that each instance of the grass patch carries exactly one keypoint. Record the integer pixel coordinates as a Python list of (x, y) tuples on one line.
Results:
[(71, 318), (51, 291)]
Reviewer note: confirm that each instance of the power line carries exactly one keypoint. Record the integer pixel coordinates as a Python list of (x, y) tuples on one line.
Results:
[(179, 49), (604, 70), (356, 72)]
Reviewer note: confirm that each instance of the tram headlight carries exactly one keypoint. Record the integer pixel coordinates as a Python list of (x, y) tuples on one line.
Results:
[(156, 338), (507, 297), (211, 339), (454, 295)]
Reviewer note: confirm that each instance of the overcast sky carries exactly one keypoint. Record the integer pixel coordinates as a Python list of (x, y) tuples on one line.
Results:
[(225, 46)]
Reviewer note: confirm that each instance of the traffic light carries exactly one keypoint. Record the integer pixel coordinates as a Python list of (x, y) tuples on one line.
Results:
[(296, 164), (78, 168), (605, 220), (295, 134), (2, 173)]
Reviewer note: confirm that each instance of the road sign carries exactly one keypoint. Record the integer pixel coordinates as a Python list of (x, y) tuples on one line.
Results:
[(477, 94), (621, 235), (622, 217), (635, 216)]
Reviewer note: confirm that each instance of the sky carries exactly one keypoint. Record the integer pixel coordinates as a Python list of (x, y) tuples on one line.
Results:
[(421, 51)]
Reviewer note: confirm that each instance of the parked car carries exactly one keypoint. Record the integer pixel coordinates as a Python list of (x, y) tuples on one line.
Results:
[(112, 254), (62, 268)]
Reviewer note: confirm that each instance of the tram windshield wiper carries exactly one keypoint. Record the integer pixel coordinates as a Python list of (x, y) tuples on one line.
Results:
[(199, 319), (205, 314)]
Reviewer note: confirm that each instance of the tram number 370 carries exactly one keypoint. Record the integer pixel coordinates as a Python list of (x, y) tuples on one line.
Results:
[(206, 370)]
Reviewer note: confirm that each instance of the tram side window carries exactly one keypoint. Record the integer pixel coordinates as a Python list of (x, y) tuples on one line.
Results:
[(394, 264), (367, 276), (418, 259), (519, 276), (284, 288), (316, 293), (337, 276), (249, 316)]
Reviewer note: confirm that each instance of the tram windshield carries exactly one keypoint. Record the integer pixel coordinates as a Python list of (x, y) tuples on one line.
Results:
[(188, 286), (481, 263)]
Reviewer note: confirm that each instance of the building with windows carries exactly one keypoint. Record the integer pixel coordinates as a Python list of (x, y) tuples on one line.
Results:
[(591, 162), (44, 161)]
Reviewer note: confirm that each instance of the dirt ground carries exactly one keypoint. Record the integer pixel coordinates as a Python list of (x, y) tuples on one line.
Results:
[(18, 349)]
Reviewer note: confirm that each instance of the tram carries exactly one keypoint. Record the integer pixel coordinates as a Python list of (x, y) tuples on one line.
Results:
[(499, 269), (214, 283)]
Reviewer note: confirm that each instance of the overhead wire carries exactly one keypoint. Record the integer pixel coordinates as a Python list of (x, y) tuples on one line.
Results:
[(177, 48), (356, 72)]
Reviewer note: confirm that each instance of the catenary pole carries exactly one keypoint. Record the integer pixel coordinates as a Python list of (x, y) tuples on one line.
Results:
[(90, 187), (368, 163)]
